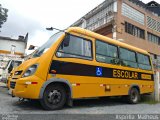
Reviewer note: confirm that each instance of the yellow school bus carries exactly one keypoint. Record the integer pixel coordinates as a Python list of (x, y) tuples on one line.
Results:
[(78, 63)]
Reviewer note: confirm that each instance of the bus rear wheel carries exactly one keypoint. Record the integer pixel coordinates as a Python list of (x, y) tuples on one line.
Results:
[(134, 96), (54, 97)]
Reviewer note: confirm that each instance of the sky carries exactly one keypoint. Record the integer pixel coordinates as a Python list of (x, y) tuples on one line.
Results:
[(33, 16)]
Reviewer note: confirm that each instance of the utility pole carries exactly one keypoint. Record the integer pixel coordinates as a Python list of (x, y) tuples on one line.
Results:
[(13, 49), (156, 86)]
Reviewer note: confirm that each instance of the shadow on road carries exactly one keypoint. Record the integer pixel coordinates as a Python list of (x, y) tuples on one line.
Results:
[(28, 104), (81, 103)]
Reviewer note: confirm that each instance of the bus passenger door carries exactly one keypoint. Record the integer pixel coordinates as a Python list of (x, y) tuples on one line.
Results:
[(73, 61)]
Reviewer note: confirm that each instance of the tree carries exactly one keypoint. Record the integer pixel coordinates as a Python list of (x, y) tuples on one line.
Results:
[(3, 15)]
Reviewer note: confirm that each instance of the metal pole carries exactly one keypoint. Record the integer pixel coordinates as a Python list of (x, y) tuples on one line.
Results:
[(156, 85), (13, 49)]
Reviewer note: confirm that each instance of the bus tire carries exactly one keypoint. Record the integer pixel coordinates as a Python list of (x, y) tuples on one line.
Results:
[(54, 97), (134, 96)]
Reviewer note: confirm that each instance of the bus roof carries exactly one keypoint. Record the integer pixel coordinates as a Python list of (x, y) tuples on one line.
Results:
[(104, 38)]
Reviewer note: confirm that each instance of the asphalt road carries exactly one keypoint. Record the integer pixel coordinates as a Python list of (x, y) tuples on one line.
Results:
[(82, 109)]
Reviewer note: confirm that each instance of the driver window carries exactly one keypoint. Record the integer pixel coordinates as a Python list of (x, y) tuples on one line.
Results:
[(74, 46)]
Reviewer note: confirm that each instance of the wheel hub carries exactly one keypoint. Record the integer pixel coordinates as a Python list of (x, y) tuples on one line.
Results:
[(134, 96), (54, 97)]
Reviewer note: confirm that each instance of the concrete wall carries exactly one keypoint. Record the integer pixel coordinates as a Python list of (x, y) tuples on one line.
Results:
[(5, 45)]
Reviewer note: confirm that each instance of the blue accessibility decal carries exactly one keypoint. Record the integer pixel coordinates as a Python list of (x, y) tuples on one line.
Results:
[(98, 71)]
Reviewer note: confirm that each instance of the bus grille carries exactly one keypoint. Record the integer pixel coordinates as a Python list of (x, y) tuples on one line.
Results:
[(12, 85)]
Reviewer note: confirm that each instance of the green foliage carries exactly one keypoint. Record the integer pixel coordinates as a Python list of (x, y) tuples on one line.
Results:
[(3, 15)]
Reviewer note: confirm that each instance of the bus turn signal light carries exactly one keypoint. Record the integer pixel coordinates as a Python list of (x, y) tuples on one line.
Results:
[(29, 83), (53, 71)]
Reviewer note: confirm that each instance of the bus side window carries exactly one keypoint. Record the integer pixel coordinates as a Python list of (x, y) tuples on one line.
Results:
[(75, 47), (143, 61), (106, 53), (128, 58), (65, 42)]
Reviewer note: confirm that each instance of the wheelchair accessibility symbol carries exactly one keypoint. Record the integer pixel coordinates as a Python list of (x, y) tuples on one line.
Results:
[(98, 71)]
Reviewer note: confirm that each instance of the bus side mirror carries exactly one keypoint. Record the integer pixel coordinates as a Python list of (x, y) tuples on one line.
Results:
[(31, 47)]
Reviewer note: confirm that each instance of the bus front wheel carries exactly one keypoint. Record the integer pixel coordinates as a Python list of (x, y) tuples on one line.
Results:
[(134, 96), (54, 97)]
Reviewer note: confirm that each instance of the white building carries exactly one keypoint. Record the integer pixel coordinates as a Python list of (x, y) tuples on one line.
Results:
[(12, 49), (17, 46)]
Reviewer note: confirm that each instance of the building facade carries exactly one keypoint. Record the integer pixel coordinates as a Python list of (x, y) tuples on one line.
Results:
[(12, 49), (130, 21), (13, 46)]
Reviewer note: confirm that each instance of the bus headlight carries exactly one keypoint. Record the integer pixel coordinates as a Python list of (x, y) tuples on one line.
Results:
[(31, 70)]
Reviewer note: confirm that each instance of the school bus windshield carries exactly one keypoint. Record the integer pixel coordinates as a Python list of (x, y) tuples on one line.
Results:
[(47, 45)]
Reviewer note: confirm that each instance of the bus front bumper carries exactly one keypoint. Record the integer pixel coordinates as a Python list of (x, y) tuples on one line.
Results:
[(28, 87)]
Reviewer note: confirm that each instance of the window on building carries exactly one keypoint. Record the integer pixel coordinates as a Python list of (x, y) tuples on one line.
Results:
[(158, 61), (101, 17), (143, 62), (158, 57), (73, 46), (134, 30), (158, 26), (153, 38), (106, 53), (132, 13), (128, 58), (154, 59), (153, 24), (155, 56), (152, 56)]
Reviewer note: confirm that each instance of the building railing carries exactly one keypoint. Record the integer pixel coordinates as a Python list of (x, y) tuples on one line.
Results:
[(100, 22)]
